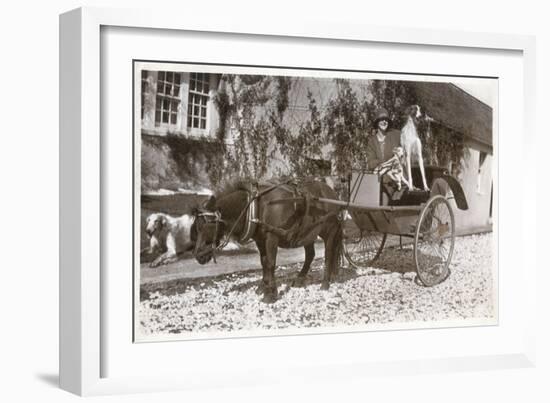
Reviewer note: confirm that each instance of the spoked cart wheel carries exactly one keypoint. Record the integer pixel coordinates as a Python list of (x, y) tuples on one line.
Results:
[(434, 241), (361, 247)]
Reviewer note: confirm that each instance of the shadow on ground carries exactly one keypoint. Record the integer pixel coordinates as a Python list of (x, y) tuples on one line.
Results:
[(393, 260)]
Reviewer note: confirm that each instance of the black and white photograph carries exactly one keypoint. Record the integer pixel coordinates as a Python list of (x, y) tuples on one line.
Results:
[(279, 201)]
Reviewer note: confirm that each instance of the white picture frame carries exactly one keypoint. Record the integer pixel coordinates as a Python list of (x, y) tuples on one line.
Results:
[(83, 351)]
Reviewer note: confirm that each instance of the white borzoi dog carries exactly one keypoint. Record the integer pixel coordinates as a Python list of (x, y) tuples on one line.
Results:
[(169, 236), (412, 145)]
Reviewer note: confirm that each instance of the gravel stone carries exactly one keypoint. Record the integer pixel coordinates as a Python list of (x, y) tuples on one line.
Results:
[(384, 293)]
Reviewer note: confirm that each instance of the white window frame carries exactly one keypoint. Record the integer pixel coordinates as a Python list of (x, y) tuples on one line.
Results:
[(170, 98), (193, 93)]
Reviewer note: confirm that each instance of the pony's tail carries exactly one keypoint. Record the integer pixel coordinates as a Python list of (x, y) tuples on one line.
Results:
[(337, 248)]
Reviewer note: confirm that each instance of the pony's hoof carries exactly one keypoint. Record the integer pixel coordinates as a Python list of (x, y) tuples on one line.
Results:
[(298, 282), (269, 299), (269, 296), (325, 286)]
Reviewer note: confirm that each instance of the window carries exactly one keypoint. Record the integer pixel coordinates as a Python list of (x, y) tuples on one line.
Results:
[(144, 89), (168, 98), (198, 99)]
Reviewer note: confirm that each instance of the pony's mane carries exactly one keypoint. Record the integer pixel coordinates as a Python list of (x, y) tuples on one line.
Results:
[(234, 185), (246, 184)]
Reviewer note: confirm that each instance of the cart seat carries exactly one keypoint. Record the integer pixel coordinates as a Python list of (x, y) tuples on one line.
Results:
[(406, 197)]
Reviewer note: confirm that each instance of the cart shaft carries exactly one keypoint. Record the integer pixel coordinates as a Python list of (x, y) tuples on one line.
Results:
[(361, 207)]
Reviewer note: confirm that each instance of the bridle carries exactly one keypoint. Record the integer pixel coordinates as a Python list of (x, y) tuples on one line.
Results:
[(209, 217), (216, 218)]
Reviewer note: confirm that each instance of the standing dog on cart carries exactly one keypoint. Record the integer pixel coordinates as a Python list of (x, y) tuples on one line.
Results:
[(386, 146)]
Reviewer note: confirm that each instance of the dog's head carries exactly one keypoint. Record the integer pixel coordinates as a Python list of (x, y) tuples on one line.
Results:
[(155, 223), (399, 152), (413, 111)]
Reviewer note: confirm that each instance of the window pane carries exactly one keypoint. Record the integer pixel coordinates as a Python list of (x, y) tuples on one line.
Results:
[(175, 106), (195, 122), (203, 100), (176, 90), (165, 104), (169, 76), (203, 124), (206, 88), (203, 112), (164, 117), (177, 78), (173, 119), (161, 75), (196, 110)]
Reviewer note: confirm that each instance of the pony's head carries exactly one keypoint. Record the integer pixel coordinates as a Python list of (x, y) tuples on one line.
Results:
[(207, 230)]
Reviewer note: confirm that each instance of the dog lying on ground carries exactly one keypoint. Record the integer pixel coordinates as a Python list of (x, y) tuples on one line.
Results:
[(393, 168), (168, 236), (412, 145)]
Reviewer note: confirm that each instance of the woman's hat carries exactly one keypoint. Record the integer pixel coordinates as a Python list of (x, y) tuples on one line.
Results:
[(381, 114)]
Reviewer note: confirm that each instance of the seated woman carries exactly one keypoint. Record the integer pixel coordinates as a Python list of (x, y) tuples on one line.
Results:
[(380, 147), (381, 143)]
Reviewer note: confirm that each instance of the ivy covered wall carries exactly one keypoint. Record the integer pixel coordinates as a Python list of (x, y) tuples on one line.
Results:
[(174, 163)]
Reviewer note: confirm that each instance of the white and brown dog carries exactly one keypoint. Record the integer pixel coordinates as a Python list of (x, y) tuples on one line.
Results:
[(168, 236), (393, 168), (412, 145)]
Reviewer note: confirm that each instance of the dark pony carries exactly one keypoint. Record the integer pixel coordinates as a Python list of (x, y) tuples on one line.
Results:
[(287, 215)]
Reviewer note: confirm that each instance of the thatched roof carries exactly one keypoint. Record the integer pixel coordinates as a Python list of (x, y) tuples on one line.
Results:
[(456, 109)]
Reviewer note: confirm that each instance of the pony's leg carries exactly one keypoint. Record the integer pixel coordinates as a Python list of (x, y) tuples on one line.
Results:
[(333, 249), (309, 255), (270, 286), (263, 261)]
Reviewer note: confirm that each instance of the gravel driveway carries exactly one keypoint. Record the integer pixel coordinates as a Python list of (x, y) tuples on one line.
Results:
[(384, 293)]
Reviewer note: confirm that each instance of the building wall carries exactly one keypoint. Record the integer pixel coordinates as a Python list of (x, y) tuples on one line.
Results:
[(476, 181)]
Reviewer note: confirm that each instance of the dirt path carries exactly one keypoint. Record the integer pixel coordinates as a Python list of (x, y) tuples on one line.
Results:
[(232, 262), (227, 263)]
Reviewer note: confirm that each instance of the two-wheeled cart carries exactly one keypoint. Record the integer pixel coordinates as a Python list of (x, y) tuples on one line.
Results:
[(375, 211)]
